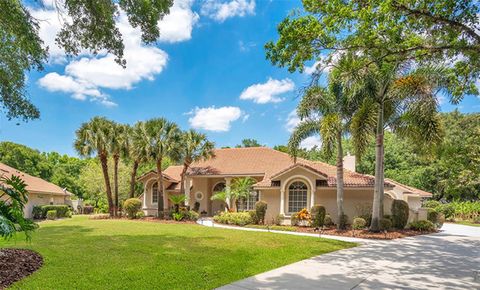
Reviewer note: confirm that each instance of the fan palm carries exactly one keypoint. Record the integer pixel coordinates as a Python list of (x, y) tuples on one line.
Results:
[(403, 99), (194, 147), (13, 198), (94, 137), (137, 151), (177, 199), (163, 139), (327, 112), (241, 188), (117, 147)]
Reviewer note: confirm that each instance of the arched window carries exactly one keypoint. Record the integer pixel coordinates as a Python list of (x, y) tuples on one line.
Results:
[(297, 196), (155, 193), (219, 187)]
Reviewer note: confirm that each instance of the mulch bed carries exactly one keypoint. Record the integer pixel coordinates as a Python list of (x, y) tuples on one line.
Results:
[(15, 264), (365, 234), (164, 221)]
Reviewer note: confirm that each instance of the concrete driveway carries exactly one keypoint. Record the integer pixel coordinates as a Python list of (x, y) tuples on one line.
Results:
[(446, 260)]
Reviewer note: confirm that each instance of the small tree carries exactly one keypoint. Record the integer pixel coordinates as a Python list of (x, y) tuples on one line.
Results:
[(177, 200), (260, 211), (13, 198), (400, 213), (318, 215)]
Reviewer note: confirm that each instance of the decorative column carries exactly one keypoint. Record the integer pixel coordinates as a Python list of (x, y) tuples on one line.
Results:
[(187, 191), (227, 189), (144, 197), (165, 198), (312, 197), (282, 201)]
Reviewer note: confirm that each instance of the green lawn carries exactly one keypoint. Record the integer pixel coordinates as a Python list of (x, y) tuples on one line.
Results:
[(116, 254), (467, 223)]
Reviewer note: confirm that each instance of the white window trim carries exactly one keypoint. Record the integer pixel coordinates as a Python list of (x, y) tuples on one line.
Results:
[(287, 194)]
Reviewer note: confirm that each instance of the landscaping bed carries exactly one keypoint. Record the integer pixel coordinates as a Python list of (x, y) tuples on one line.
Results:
[(16, 264), (366, 234)]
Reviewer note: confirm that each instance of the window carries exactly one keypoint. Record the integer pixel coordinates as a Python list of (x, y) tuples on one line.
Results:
[(297, 196), (219, 187), (155, 193), (247, 203)]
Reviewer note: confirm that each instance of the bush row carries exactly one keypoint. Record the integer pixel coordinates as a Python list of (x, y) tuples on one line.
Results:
[(61, 211)]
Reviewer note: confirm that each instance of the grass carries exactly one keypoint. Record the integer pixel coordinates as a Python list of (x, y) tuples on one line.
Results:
[(273, 227), (467, 223), (118, 254)]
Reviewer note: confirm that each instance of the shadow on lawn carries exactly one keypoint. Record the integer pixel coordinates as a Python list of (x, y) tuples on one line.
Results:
[(442, 261)]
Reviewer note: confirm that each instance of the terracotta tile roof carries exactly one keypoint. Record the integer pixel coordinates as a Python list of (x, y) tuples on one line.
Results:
[(268, 163), (172, 173), (410, 189), (34, 184)]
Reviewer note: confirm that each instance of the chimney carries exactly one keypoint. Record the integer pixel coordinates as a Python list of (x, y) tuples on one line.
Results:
[(349, 162)]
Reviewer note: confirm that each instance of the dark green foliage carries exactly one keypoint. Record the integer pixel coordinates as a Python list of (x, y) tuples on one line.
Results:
[(400, 212), (233, 218), (260, 211), (37, 212), (88, 209), (51, 214), (328, 221), (196, 206), (13, 198), (60, 209), (422, 226), (249, 143), (385, 224), (448, 210), (431, 203), (318, 213), (359, 223), (253, 215), (132, 206), (436, 217), (343, 222)]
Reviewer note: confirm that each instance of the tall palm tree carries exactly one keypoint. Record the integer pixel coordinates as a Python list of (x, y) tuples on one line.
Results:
[(163, 141), (137, 150), (94, 137), (326, 111), (399, 97), (194, 147), (117, 147)]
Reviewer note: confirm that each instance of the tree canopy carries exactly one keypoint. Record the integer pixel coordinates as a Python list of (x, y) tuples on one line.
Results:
[(87, 25)]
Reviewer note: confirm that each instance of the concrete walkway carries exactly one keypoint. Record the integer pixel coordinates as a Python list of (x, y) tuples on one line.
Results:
[(209, 223), (446, 260)]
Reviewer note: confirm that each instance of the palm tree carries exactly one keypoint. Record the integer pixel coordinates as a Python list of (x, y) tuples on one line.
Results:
[(194, 147), (241, 188), (137, 151), (327, 112), (94, 137), (223, 196), (163, 138), (177, 199), (117, 147), (401, 98)]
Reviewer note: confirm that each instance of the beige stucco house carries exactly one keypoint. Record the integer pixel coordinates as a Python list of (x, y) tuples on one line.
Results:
[(41, 192), (285, 185)]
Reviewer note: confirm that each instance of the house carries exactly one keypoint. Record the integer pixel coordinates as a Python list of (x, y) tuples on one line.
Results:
[(41, 192), (285, 185)]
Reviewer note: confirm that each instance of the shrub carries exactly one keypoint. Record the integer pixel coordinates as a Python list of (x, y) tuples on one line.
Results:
[(140, 215), (37, 212), (100, 216), (177, 216), (328, 221), (400, 213), (61, 210), (432, 204), (88, 209), (273, 228), (193, 215), (385, 224), (423, 226), (294, 220), (51, 214), (318, 215), (448, 210), (132, 206), (233, 218), (196, 206), (359, 223), (437, 218), (364, 210), (253, 215), (343, 222), (277, 220), (260, 211), (69, 214)]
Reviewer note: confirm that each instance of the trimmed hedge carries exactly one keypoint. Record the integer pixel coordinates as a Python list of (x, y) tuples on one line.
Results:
[(422, 226), (400, 212), (436, 217), (318, 213), (359, 223), (260, 211), (385, 224), (40, 212), (51, 214), (132, 206), (233, 218), (328, 221)]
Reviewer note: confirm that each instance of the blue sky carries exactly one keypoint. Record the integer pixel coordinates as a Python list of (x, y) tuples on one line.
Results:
[(208, 71)]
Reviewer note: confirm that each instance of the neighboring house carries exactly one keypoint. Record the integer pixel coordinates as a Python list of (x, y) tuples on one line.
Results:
[(287, 187), (41, 192)]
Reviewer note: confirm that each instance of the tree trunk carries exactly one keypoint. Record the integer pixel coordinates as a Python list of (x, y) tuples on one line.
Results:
[(160, 188), (108, 188), (340, 184), (133, 178), (377, 208), (116, 159), (182, 177)]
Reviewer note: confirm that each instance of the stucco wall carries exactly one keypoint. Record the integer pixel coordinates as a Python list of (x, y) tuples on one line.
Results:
[(42, 199)]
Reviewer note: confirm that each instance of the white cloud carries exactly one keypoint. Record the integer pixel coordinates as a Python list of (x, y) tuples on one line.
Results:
[(313, 68), (214, 119), (220, 11), (267, 92), (245, 47), (311, 142), (292, 121), (245, 118), (93, 73)]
